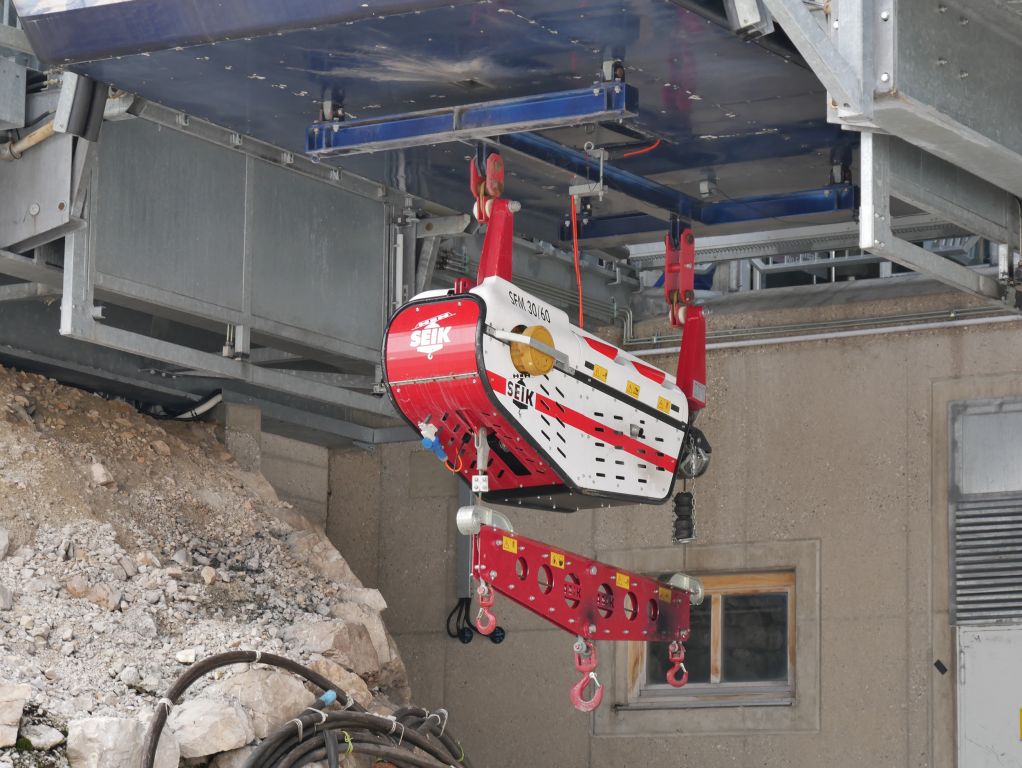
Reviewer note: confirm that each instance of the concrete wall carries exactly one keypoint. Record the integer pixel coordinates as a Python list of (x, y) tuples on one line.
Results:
[(298, 473), (829, 457)]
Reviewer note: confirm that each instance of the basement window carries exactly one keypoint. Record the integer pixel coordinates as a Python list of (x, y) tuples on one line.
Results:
[(740, 651)]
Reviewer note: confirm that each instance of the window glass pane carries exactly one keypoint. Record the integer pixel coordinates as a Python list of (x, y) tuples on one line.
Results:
[(755, 644), (697, 650)]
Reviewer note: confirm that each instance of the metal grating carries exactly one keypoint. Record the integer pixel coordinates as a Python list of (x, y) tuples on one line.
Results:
[(987, 560)]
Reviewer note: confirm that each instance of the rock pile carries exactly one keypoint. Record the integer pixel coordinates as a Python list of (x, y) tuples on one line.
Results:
[(130, 547)]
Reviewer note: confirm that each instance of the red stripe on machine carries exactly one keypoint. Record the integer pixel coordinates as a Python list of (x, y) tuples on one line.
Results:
[(607, 350), (592, 427), (651, 373)]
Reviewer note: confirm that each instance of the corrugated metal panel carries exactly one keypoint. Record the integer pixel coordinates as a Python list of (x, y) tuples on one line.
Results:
[(987, 559)]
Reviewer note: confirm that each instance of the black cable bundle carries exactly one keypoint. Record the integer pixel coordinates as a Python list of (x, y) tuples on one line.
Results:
[(412, 738)]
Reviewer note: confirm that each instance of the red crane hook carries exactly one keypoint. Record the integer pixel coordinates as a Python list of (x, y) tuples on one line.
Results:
[(585, 662), (676, 653), (486, 622)]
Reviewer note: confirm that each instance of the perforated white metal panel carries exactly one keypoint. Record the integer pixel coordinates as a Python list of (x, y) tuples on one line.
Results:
[(551, 407)]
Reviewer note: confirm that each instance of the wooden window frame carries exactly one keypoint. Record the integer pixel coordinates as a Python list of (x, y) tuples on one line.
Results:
[(717, 693)]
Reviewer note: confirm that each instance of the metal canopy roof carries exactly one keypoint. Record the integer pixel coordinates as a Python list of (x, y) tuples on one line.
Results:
[(738, 111)]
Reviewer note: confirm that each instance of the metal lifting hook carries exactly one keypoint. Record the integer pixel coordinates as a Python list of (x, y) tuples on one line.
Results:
[(486, 622), (585, 662), (676, 653)]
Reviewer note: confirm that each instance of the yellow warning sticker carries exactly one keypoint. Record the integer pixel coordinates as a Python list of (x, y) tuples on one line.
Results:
[(599, 372), (510, 545), (632, 389), (557, 560), (622, 580), (665, 594), (663, 404)]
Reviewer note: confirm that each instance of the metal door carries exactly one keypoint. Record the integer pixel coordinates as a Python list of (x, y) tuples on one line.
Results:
[(989, 697)]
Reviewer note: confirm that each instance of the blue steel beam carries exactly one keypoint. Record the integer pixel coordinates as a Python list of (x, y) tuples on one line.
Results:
[(669, 201), (650, 193), (601, 101), (835, 197)]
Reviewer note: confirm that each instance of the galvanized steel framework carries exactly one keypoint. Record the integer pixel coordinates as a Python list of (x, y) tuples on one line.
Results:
[(932, 87), (885, 62), (209, 196)]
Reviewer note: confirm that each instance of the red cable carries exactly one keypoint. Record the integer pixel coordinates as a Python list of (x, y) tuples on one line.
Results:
[(578, 271), (644, 150)]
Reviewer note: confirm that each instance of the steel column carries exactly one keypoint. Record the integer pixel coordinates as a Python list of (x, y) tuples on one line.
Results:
[(876, 236), (428, 253)]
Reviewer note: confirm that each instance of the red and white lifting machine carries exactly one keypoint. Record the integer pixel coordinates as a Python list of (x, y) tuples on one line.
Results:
[(531, 410)]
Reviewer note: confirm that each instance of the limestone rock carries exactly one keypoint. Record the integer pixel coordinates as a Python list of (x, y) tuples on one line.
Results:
[(182, 557), (353, 613), (147, 558), (78, 586), (270, 696), (42, 736), (115, 742), (393, 678), (130, 675), (348, 644), (234, 759), (129, 566), (314, 548), (370, 598), (105, 596), (160, 447), (186, 656), (12, 701), (100, 475), (72, 542), (347, 681), (5, 542), (141, 622), (206, 726)]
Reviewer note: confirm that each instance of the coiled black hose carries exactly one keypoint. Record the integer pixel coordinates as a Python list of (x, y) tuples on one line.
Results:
[(412, 738)]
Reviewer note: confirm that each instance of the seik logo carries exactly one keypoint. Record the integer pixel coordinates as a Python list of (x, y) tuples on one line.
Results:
[(429, 337), (523, 396)]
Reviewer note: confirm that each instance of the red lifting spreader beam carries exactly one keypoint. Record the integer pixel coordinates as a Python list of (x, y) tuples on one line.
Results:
[(590, 599)]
